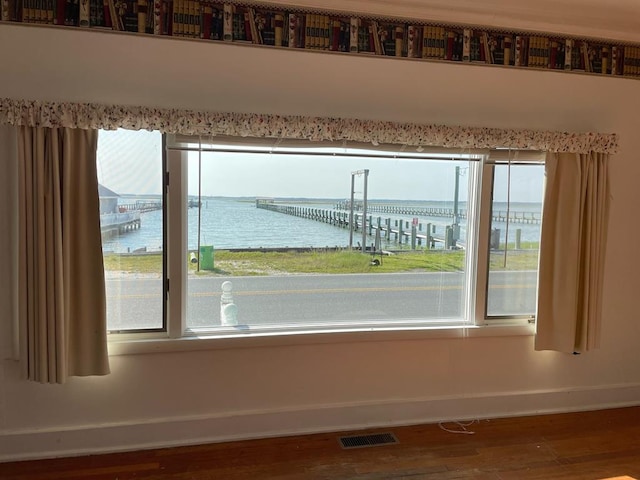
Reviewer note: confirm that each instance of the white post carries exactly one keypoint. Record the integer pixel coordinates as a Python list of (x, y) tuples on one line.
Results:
[(364, 212), (228, 309)]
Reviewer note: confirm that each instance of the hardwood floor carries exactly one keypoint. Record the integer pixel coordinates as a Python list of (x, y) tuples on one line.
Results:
[(587, 445)]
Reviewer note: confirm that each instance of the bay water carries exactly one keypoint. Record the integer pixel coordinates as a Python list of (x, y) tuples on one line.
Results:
[(227, 223)]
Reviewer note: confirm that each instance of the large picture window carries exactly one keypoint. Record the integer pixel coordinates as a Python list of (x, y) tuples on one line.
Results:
[(270, 236)]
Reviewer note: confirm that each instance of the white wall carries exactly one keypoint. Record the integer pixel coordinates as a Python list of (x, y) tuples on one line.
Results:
[(187, 397)]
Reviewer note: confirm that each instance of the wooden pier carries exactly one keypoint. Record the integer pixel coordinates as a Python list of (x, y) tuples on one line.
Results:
[(112, 224), (532, 218), (399, 230), (126, 218), (140, 206)]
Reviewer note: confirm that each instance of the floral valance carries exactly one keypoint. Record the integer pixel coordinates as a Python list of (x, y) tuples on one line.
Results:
[(190, 122)]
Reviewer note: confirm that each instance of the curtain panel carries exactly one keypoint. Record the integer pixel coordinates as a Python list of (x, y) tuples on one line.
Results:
[(572, 249), (62, 304), (9, 346)]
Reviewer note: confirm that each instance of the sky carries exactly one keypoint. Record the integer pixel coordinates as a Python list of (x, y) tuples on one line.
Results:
[(130, 162)]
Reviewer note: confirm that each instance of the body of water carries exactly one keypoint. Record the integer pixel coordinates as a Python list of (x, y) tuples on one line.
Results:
[(237, 223)]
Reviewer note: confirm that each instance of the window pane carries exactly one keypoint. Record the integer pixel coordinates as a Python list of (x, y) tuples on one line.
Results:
[(276, 227), (131, 219), (516, 212)]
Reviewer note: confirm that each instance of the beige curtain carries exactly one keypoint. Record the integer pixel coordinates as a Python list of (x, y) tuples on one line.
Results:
[(9, 240), (574, 235), (62, 306)]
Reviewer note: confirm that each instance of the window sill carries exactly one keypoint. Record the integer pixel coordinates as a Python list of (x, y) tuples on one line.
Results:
[(143, 344)]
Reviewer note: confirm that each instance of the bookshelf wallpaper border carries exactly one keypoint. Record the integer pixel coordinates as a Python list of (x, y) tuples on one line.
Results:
[(190, 122), (318, 29)]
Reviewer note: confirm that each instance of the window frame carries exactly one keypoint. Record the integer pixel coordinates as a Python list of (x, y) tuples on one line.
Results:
[(496, 158), (175, 272)]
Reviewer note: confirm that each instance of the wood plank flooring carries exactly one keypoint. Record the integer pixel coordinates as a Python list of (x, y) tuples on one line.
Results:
[(593, 445)]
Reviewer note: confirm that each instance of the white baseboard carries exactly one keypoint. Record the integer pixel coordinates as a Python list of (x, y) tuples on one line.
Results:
[(190, 430)]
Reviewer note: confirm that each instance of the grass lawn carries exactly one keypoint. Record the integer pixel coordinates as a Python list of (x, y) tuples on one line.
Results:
[(232, 263)]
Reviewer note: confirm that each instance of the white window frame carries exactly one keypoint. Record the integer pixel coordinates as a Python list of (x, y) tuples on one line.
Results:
[(497, 157), (176, 275)]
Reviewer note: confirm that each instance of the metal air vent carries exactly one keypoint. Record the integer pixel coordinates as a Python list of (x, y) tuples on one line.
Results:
[(371, 440)]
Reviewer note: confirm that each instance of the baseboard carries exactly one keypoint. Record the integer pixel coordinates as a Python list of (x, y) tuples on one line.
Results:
[(190, 430)]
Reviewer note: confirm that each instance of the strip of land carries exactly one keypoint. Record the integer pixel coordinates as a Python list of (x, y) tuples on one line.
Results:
[(264, 262)]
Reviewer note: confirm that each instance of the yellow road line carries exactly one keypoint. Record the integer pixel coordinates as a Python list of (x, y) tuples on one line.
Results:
[(322, 291)]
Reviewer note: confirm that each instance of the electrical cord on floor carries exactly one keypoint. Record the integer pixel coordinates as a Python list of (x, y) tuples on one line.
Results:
[(462, 427)]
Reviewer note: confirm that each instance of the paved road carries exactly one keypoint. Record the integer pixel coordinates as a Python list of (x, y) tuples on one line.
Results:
[(313, 299)]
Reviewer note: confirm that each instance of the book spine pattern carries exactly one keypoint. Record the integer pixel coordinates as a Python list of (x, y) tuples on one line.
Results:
[(5, 11), (466, 45), (614, 61), (294, 21), (277, 26), (353, 34), (399, 40), (278, 29), (228, 22), (83, 15)]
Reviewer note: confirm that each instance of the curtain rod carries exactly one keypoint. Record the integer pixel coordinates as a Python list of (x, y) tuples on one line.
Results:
[(416, 156)]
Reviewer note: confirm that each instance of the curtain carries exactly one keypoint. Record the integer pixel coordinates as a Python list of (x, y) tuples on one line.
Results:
[(62, 305), (8, 239), (572, 249)]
